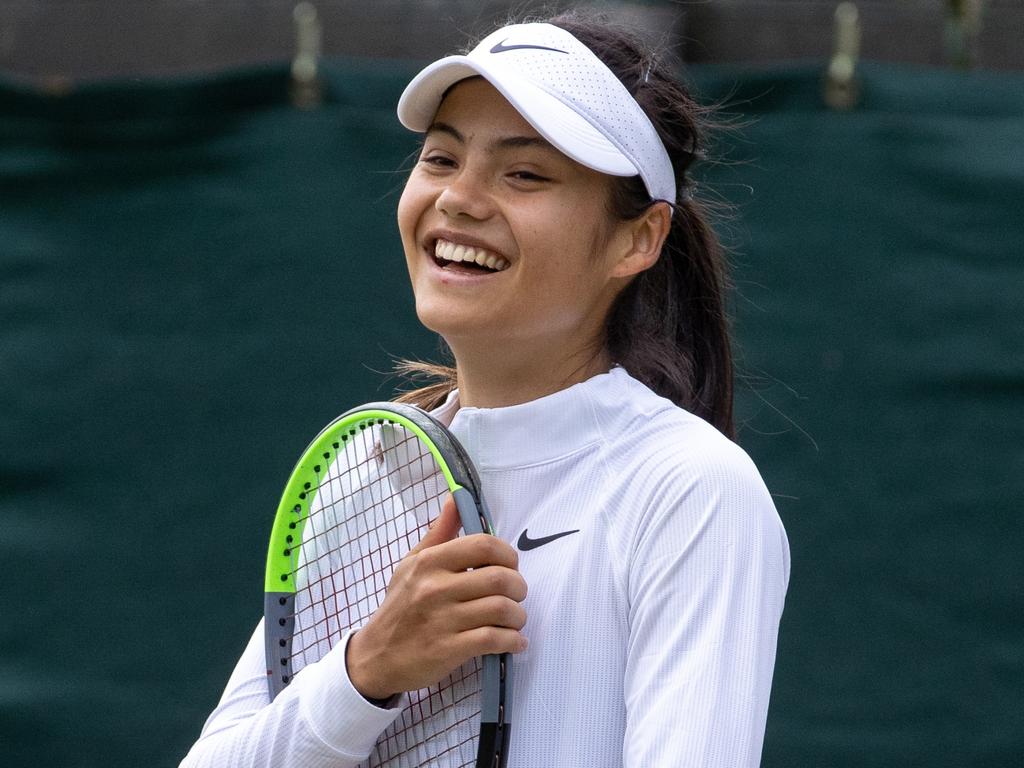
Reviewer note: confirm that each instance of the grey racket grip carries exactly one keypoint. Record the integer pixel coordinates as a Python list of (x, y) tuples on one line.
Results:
[(496, 691), (495, 724), (490, 698)]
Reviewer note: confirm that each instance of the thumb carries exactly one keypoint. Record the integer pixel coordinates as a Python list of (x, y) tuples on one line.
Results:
[(444, 527)]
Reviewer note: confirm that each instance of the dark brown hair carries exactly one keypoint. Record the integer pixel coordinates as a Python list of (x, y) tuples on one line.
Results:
[(668, 328)]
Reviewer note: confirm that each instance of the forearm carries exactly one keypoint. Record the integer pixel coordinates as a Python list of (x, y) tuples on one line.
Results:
[(318, 721)]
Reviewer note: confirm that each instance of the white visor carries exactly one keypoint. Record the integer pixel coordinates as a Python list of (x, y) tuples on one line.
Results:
[(564, 91)]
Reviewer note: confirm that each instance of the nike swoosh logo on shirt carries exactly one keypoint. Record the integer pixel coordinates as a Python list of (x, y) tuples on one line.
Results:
[(525, 543), (501, 48)]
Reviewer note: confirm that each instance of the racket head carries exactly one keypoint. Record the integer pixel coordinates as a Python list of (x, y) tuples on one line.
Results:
[(360, 496)]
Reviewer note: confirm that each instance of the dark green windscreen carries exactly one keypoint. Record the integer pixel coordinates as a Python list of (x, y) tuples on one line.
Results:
[(195, 277)]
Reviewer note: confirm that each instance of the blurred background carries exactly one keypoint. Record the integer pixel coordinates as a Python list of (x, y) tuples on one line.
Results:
[(199, 267)]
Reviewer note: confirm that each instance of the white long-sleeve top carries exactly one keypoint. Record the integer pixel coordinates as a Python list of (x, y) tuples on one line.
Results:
[(652, 626)]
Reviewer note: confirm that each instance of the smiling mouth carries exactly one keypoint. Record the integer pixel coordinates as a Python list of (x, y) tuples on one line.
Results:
[(448, 255)]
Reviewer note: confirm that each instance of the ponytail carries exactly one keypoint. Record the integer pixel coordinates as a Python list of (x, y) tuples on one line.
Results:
[(668, 327)]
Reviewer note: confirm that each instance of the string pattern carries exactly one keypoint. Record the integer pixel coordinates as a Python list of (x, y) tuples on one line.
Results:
[(372, 504)]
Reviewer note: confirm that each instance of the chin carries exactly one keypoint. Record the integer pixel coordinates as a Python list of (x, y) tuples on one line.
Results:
[(439, 318), (436, 316)]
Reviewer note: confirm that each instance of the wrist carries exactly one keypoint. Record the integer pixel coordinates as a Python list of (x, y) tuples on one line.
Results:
[(360, 666)]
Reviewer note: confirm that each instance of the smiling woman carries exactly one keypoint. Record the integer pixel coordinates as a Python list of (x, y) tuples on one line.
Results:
[(487, 181), (552, 240)]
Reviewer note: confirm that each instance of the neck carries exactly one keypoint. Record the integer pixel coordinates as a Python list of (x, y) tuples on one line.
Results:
[(490, 378)]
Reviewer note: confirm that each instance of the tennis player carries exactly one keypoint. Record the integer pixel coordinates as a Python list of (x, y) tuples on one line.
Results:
[(554, 240)]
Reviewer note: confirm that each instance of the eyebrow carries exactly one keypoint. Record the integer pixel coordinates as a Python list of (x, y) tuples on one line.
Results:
[(505, 142)]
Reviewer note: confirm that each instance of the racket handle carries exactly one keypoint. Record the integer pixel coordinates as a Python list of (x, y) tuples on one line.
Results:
[(495, 727)]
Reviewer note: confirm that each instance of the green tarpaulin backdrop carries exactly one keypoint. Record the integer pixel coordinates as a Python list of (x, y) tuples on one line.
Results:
[(183, 266)]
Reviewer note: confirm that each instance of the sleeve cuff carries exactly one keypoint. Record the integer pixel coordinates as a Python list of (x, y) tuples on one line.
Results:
[(339, 714)]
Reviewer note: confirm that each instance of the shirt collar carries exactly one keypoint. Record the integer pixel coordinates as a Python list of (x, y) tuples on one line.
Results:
[(540, 430)]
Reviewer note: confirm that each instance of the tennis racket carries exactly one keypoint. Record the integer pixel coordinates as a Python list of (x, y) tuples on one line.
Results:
[(360, 497)]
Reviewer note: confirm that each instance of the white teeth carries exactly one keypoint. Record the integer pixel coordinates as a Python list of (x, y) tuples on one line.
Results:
[(447, 251)]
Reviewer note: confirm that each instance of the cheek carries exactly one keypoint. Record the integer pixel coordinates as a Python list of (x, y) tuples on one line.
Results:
[(569, 252), (417, 199), (407, 216)]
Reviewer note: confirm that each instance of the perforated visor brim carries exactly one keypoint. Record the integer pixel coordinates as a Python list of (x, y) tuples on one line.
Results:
[(558, 122)]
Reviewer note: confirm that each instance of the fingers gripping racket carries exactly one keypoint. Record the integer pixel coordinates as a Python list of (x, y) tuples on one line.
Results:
[(360, 497)]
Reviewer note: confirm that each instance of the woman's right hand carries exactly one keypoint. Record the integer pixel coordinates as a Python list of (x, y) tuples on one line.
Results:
[(437, 614)]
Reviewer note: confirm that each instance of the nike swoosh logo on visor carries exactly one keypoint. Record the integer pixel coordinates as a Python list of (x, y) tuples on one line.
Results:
[(525, 543), (501, 48)]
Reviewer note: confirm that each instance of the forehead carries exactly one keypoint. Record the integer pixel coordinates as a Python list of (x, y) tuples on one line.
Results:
[(475, 106)]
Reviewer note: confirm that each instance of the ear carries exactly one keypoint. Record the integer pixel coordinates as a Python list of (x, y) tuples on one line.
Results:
[(638, 242)]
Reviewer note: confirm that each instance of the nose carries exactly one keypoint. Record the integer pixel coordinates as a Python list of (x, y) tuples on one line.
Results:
[(466, 194)]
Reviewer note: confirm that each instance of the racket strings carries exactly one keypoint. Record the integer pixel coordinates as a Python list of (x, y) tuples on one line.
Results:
[(353, 492), (369, 506), (453, 707)]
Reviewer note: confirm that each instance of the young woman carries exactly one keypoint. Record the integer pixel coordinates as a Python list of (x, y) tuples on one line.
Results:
[(552, 240)]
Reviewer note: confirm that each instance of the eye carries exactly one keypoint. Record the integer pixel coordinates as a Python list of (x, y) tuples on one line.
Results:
[(437, 160), (528, 176)]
